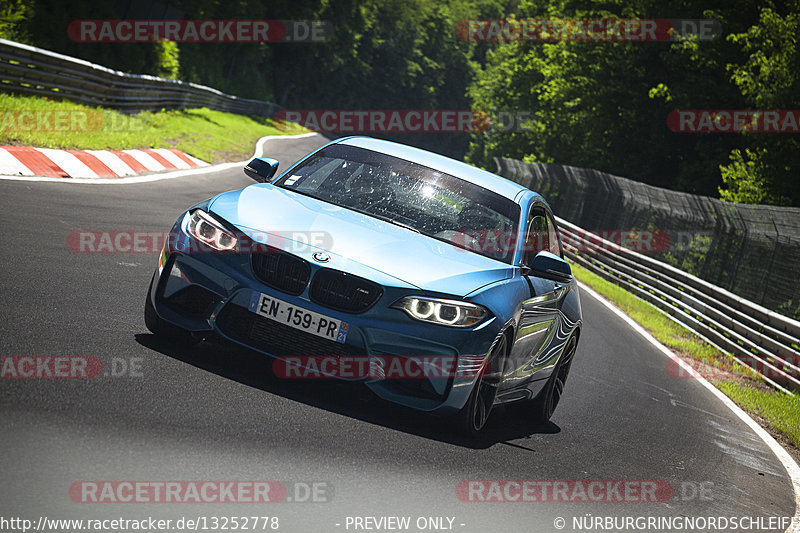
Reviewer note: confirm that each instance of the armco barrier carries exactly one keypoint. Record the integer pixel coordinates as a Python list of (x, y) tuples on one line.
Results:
[(27, 69), (759, 338)]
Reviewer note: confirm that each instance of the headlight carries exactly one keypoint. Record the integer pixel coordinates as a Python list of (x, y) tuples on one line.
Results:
[(205, 229), (443, 312)]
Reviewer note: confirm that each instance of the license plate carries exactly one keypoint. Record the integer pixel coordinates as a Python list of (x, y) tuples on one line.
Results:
[(298, 317)]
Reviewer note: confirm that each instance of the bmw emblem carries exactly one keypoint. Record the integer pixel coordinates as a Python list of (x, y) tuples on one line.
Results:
[(321, 257)]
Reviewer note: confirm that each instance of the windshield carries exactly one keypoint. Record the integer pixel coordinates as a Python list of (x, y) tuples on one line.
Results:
[(416, 197)]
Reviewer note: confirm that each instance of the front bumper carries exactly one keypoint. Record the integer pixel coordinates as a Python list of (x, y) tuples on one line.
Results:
[(211, 292)]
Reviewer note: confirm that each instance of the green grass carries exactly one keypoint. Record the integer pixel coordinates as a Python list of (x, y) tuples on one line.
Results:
[(780, 411), (657, 323), (212, 136)]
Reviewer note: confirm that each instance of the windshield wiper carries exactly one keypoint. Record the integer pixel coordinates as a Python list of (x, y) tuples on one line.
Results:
[(392, 221)]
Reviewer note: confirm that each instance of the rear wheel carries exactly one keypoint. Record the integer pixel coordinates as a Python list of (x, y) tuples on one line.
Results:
[(164, 329), (543, 407), (472, 418)]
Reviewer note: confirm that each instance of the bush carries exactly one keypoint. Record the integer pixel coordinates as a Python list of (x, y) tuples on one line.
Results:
[(167, 62)]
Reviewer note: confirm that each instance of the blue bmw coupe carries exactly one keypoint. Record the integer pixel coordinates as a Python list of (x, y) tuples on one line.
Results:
[(446, 281)]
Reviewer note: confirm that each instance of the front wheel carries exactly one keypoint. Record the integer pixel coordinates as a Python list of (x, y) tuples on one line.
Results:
[(543, 407), (472, 418)]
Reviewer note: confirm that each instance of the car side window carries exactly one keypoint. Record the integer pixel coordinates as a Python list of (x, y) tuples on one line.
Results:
[(552, 234), (536, 239)]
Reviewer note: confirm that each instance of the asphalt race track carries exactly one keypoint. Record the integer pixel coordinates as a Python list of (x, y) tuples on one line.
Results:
[(216, 412)]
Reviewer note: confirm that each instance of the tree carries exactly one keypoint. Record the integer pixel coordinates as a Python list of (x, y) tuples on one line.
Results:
[(768, 79), (13, 15), (604, 105), (747, 180)]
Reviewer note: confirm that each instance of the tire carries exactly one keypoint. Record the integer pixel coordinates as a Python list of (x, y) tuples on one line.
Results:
[(543, 407), (165, 330), (473, 416)]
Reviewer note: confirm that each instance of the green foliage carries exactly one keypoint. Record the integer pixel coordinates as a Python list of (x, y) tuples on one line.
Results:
[(769, 74), (13, 14), (790, 309), (167, 64), (601, 105), (768, 78), (604, 105), (386, 54), (747, 179), (661, 92), (692, 256)]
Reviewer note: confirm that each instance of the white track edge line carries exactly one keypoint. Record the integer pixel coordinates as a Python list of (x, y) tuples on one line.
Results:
[(161, 175), (791, 466)]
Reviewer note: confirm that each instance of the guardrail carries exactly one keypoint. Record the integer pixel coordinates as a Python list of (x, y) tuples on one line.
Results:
[(27, 69), (765, 341), (749, 250)]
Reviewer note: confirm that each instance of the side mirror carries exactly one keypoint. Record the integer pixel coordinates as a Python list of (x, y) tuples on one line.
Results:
[(550, 266), (261, 169)]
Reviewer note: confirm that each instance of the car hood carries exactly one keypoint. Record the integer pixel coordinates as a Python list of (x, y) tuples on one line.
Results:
[(357, 243)]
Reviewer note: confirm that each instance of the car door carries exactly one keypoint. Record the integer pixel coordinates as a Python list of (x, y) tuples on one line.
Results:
[(537, 339)]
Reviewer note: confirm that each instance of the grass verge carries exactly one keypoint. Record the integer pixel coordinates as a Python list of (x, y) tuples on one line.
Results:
[(777, 411), (212, 136), (782, 411)]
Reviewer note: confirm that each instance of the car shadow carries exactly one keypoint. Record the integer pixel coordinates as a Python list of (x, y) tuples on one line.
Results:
[(352, 399)]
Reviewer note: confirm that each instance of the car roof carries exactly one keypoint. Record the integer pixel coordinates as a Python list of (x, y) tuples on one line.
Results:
[(477, 176)]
